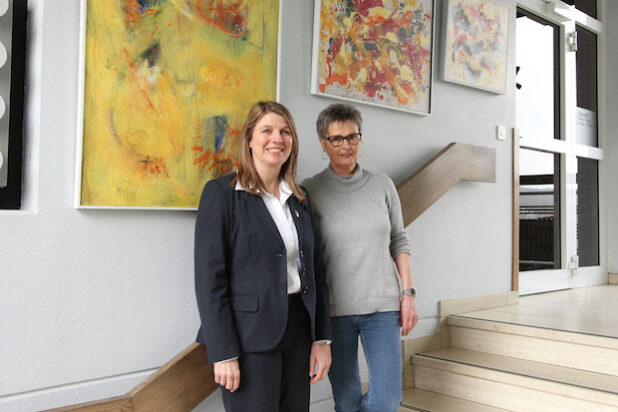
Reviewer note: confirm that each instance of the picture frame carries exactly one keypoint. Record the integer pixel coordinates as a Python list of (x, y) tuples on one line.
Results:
[(380, 56), (475, 44), (161, 113)]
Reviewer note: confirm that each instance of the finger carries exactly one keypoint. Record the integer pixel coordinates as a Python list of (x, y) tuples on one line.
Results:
[(322, 372), (229, 384), (314, 370), (236, 381), (408, 326), (236, 385), (312, 362)]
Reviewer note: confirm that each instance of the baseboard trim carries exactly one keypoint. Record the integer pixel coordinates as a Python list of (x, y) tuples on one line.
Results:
[(613, 278), (59, 396), (463, 305)]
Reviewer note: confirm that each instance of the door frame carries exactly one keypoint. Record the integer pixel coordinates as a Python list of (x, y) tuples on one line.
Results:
[(570, 275)]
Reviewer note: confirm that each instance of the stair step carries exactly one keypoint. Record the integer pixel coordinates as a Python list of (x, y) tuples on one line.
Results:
[(568, 349), (576, 377), (419, 400), (513, 384)]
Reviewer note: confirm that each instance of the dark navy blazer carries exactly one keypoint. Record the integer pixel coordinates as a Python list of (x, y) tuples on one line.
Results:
[(241, 272)]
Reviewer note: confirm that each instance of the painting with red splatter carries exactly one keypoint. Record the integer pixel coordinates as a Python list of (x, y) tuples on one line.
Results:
[(475, 44), (167, 86), (374, 51)]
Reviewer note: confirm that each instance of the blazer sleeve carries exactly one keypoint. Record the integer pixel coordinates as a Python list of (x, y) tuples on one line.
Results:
[(322, 304), (211, 256)]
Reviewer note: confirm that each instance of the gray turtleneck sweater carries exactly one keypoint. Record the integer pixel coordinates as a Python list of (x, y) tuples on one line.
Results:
[(360, 224)]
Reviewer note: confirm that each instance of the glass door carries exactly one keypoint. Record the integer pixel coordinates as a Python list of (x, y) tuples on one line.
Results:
[(559, 158)]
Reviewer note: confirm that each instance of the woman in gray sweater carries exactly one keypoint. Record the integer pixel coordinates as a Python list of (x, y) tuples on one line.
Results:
[(357, 214)]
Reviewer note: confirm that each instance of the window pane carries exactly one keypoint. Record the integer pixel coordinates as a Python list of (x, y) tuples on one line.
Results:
[(588, 212), (537, 78), (586, 6), (539, 210), (586, 56)]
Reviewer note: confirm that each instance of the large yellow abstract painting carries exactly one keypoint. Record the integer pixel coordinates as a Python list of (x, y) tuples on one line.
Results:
[(167, 86)]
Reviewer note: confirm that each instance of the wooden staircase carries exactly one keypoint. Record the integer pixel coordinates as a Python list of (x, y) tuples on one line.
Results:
[(493, 366)]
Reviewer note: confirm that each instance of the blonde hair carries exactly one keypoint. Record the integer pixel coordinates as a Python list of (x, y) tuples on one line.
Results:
[(247, 175)]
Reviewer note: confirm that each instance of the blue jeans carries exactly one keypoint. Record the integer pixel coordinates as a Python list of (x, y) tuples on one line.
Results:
[(379, 333)]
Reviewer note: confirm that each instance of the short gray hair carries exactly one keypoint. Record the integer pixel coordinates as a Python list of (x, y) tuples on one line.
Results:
[(337, 113)]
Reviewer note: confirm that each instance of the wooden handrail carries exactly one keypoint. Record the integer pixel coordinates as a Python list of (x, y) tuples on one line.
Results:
[(185, 381), (179, 386), (455, 163)]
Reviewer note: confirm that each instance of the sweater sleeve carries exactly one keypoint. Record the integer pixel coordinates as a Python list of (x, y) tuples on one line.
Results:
[(400, 243)]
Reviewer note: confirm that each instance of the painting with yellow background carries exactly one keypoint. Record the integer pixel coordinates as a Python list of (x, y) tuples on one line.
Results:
[(167, 86)]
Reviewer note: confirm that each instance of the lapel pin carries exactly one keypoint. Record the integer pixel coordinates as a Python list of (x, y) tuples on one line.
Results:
[(297, 214)]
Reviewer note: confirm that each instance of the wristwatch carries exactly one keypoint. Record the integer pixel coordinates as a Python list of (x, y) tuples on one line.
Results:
[(408, 292)]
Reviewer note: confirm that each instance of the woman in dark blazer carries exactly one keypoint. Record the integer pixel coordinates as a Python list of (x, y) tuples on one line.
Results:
[(261, 290)]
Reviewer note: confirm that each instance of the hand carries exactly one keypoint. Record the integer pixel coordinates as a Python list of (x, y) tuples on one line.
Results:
[(227, 374), (319, 362), (408, 315)]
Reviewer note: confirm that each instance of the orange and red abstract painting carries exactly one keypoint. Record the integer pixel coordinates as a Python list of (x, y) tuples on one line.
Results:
[(475, 44), (375, 51), (167, 86)]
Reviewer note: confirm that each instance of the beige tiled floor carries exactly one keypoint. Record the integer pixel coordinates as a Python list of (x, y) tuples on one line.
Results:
[(592, 310)]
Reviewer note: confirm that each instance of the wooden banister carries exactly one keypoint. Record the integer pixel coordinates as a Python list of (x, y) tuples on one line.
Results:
[(179, 385), (185, 381), (455, 163)]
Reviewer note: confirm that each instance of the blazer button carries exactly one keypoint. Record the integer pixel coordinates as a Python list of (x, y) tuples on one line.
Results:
[(304, 272), (301, 253), (306, 289)]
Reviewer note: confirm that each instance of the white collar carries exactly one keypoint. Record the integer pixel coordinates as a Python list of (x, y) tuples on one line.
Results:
[(284, 190)]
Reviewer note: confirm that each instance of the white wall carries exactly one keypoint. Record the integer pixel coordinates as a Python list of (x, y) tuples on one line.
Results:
[(92, 301)]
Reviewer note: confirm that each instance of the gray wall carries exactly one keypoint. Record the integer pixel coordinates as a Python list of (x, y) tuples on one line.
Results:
[(92, 301)]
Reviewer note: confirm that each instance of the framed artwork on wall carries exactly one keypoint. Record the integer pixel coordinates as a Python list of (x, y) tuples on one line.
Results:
[(475, 44), (374, 52), (164, 90)]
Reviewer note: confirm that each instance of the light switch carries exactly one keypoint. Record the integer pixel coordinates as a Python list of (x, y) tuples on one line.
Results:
[(500, 132)]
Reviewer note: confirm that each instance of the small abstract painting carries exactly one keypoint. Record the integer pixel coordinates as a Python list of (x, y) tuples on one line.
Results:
[(377, 52), (476, 43), (167, 86)]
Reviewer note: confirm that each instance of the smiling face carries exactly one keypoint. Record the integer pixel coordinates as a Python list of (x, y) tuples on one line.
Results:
[(271, 143), (343, 158)]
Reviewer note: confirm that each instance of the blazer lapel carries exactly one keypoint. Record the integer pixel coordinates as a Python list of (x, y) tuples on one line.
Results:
[(258, 208), (295, 210)]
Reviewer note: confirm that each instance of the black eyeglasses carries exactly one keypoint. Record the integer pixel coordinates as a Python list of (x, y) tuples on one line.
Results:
[(337, 140)]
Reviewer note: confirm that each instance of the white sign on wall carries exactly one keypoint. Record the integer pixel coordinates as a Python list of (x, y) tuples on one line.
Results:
[(586, 128)]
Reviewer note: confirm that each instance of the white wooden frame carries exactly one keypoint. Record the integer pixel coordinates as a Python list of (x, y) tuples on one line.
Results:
[(314, 66), (443, 57), (534, 281), (80, 115)]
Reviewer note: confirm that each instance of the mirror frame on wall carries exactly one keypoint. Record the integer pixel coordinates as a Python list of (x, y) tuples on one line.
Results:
[(10, 194)]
